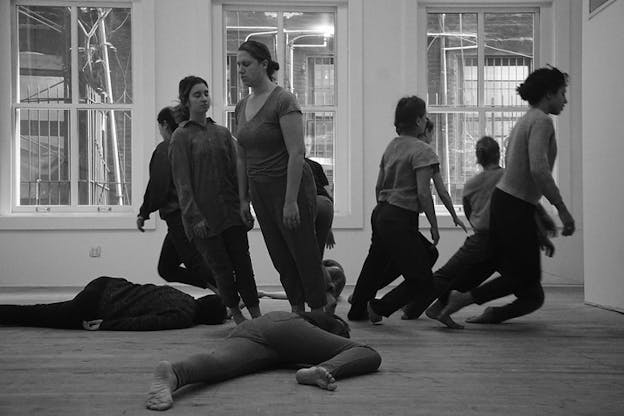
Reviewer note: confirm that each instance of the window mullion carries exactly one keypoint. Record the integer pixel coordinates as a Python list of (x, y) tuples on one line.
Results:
[(73, 113), (480, 59), (280, 49)]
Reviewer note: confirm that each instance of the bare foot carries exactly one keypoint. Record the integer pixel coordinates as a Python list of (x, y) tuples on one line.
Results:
[(435, 312), (297, 308), (456, 301), (316, 376), (164, 382), (374, 317), (487, 317)]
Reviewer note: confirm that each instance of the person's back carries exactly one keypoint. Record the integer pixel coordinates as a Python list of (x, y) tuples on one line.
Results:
[(477, 193), (532, 150)]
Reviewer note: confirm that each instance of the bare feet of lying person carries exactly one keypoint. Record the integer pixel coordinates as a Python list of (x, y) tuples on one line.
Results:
[(435, 312), (163, 384), (316, 376), (487, 317)]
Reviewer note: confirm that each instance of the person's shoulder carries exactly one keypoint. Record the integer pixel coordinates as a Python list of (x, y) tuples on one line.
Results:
[(282, 94)]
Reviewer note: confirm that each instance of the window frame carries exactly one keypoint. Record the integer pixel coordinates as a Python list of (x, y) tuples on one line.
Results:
[(15, 216), (348, 157), (541, 40)]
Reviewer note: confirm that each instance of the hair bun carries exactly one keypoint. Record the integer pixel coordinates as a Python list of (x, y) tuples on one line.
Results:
[(274, 66)]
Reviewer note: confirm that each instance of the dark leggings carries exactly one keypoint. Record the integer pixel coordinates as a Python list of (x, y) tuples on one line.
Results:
[(517, 256), (274, 340), (177, 249), (227, 254), (397, 248), (294, 253), (62, 315)]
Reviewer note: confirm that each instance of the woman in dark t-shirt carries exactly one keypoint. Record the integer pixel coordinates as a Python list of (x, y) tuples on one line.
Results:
[(269, 129)]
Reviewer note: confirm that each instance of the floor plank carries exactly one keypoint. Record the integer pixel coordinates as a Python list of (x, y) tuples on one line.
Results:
[(566, 359)]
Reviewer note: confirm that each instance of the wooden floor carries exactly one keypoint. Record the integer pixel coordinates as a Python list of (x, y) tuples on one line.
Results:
[(566, 359)]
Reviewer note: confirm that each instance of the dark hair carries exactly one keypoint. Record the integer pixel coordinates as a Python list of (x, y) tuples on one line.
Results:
[(487, 150), (328, 322), (185, 86), (260, 52), (408, 110), (540, 82), (209, 310), (167, 115), (429, 125)]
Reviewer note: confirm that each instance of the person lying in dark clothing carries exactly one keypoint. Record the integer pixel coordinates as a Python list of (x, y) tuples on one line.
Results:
[(115, 304)]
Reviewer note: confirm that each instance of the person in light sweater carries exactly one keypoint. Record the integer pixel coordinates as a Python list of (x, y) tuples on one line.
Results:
[(514, 233)]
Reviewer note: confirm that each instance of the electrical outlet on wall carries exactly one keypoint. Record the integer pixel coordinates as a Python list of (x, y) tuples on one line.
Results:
[(95, 251)]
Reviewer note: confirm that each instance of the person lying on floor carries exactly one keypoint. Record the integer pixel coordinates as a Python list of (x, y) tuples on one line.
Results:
[(271, 341), (115, 304)]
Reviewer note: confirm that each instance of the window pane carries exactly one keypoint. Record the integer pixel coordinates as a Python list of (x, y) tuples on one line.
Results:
[(319, 133), (454, 139), (451, 56), (498, 125), (44, 54), (242, 26), (105, 162), (104, 55), (309, 56), (44, 157), (509, 43)]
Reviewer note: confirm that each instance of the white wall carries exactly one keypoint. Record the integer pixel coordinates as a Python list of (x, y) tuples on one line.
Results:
[(603, 156), (182, 46)]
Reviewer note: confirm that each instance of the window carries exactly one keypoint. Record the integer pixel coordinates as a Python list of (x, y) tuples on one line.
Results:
[(475, 60), (73, 107), (303, 43)]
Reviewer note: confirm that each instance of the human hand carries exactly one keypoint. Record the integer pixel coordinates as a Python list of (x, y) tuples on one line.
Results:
[(331, 241), (567, 221), (246, 216), (548, 247), (291, 215), (460, 223), (140, 222), (435, 235), (93, 325), (200, 230)]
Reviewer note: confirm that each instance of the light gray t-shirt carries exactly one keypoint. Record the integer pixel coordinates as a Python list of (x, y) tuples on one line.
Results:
[(477, 193), (531, 152), (396, 183)]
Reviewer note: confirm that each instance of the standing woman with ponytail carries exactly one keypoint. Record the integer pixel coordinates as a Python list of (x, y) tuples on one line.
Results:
[(269, 129), (514, 232), (203, 163)]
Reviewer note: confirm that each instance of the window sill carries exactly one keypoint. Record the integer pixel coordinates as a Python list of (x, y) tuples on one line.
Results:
[(73, 221)]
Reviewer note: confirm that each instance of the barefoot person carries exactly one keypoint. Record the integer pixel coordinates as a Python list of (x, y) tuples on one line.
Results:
[(203, 162), (474, 262), (271, 341), (397, 246), (274, 176), (530, 157)]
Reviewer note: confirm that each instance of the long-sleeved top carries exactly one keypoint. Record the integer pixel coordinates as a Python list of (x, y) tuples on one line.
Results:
[(530, 158), (126, 306), (160, 193), (203, 163)]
